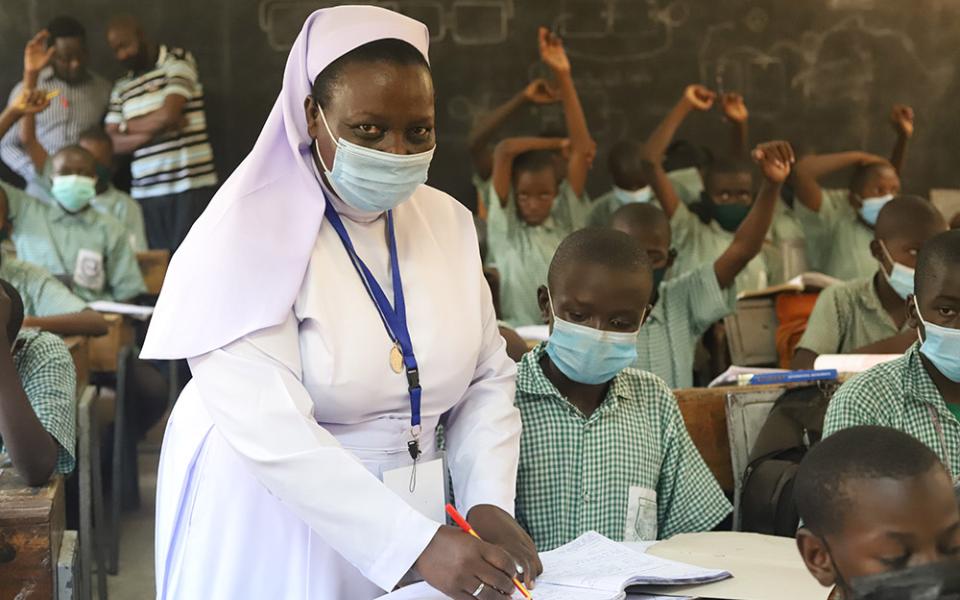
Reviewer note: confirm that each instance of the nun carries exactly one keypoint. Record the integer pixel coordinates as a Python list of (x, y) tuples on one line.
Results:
[(333, 312)]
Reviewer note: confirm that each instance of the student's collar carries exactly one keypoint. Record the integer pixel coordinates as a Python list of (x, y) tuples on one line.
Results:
[(871, 299), (918, 386), (548, 224), (532, 381), (60, 214)]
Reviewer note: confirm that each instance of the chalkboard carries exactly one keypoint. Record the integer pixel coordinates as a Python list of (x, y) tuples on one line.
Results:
[(822, 73)]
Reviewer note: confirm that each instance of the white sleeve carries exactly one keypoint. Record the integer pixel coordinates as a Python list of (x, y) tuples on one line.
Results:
[(253, 392), (482, 433)]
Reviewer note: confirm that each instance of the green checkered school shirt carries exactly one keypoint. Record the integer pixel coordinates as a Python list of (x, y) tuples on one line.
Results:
[(49, 379), (43, 295), (897, 394), (630, 471)]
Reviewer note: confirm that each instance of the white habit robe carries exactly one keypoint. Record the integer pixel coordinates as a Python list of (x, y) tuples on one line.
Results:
[(269, 483)]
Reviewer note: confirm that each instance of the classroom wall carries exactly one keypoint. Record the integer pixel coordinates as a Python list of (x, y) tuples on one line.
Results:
[(822, 73)]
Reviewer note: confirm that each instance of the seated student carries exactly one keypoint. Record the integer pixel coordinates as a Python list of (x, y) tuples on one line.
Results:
[(69, 238), (873, 500), (687, 305), (703, 232), (918, 393), (604, 446), (535, 210), (869, 316), (839, 223), (38, 386)]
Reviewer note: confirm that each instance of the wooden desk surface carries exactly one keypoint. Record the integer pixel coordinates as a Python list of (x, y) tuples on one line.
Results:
[(31, 529), (104, 349)]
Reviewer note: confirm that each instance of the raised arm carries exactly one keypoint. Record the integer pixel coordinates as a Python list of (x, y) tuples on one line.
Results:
[(901, 118), (582, 146), (87, 322), (694, 97), (735, 110), (810, 169), (509, 149), (31, 145), (775, 160), (29, 102), (537, 92)]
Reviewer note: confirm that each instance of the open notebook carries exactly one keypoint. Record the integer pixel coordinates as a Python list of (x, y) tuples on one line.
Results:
[(592, 567)]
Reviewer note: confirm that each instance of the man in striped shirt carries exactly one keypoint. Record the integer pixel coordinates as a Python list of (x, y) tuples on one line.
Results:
[(157, 114), (56, 59)]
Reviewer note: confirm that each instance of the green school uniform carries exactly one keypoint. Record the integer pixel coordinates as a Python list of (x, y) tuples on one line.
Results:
[(698, 243), (838, 241), (898, 394), (785, 251), (484, 189), (43, 295), (92, 248), (687, 306), (848, 316), (629, 471), (522, 253), (686, 182)]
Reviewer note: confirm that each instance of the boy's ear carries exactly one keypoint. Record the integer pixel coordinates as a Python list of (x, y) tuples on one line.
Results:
[(543, 300), (913, 318), (877, 252), (816, 557)]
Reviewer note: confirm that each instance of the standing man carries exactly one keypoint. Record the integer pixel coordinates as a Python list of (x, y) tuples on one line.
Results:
[(56, 59), (157, 115)]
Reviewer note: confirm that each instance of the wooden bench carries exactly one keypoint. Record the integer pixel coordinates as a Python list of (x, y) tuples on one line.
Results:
[(104, 349), (31, 529), (153, 267)]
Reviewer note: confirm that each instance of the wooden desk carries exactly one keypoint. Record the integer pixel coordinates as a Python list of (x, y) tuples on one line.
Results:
[(104, 349), (153, 267), (31, 529), (80, 352)]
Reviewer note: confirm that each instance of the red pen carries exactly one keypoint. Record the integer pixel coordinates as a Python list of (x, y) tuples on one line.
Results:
[(459, 520)]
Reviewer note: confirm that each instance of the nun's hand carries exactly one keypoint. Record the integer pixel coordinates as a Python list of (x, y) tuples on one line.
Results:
[(497, 527), (463, 567)]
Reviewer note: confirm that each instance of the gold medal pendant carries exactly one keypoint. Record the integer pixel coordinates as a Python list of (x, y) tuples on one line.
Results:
[(396, 359)]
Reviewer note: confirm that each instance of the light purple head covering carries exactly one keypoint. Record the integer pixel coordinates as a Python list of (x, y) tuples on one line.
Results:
[(240, 268)]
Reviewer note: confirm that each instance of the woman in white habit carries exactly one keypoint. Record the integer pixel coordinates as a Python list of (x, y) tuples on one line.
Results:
[(333, 312)]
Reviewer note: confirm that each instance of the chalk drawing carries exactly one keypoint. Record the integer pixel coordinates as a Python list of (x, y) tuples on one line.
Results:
[(644, 27)]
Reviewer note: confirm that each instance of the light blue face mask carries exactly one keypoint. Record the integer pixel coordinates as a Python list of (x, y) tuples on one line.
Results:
[(941, 347), (73, 192), (871, 207), (641, 196), (587, 355), (900, 277), (370, 180)]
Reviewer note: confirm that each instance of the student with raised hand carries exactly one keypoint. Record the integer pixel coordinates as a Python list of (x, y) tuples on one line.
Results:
[(873, 500), (685, 306), (536, 207), (604, 446), (901, 119), (38, 389), (869, 315), (704, 231), (918, 393)]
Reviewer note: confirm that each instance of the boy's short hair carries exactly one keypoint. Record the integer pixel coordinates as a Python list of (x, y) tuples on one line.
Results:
[(938, 256), (864, 452), (907, 214), (682, 154), (76, 149), (533, 161), (727, 164), (642, 216), (96, 134), (65, 27), (624, 160), (16, 310), (863, 172), (598, 245)]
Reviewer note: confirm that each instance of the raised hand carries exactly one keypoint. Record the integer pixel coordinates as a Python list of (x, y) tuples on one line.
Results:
[(775, 160), (36, 55), (699, 97), (31, 102), (551, 51), (901, 119), (734, 107), (539, 91)]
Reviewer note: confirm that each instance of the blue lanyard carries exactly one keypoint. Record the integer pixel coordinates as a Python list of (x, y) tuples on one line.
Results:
[(394, 317)]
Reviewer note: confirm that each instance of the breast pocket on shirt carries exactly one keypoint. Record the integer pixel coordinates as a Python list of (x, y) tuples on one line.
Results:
[(641, 521), (88, 271)]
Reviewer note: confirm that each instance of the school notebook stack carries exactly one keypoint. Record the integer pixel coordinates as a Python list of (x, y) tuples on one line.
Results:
[(593, 567)]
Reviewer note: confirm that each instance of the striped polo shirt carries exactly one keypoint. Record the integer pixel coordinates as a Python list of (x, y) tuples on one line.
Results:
[(174, 161)]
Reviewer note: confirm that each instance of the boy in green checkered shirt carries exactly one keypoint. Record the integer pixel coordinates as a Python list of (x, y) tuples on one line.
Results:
[(918, 393), (869, 316), (685, 306), (604, 446), (37, 396)]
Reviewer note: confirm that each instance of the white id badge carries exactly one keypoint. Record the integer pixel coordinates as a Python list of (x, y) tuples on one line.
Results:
[(428, 496), (88, 272), (641, 523)]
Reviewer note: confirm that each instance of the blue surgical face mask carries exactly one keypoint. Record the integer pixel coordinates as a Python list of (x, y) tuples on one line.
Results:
[(871, 207), (370, 180), (900, 277), (641, 196), (73, 192), (941, 346), (587, 355)]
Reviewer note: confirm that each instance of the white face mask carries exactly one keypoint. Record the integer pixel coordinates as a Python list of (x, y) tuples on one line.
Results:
[(641, 196), (900, 277), (370, 180)]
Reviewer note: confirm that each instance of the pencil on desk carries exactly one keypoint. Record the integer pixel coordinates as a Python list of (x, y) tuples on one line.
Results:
[(459, 520)]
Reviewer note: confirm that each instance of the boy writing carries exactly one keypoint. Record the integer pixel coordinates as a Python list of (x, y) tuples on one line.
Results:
[(533, 210), (37, 396), (873, 500), (869, 316), (604, 446), (918, 393), (685, 306)]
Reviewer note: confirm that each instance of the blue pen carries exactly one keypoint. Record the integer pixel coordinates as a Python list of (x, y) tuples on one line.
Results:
[(793, 377)]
